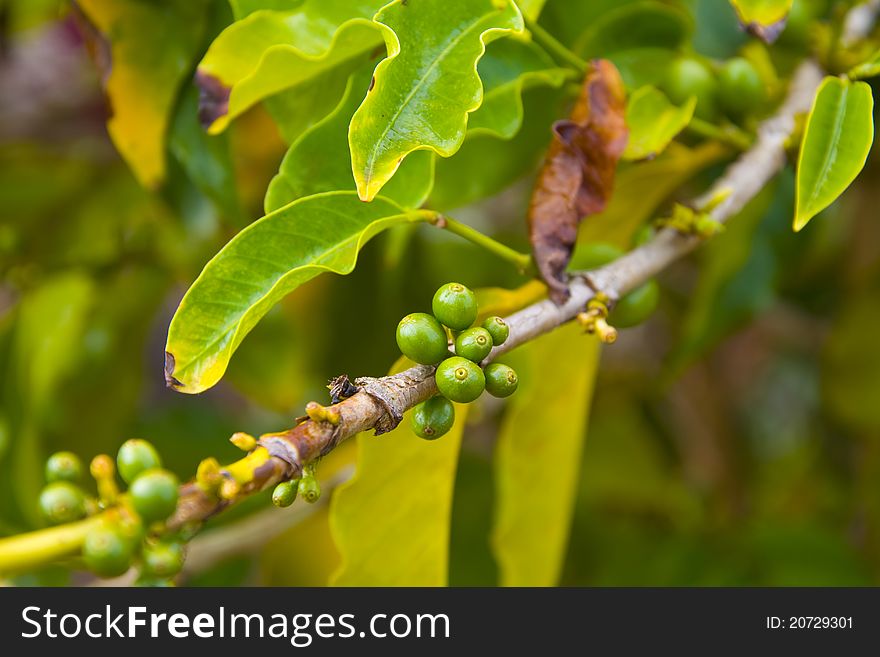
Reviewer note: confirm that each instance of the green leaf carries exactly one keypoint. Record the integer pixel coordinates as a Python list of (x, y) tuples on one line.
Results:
[(143, 80), (319, 160), (242, 8), (763, 18), (508, 68), (263, 263), (836, 142), (538, 456), (424, 90), (867, 69), (296, 110), (653, 122), (464, 178), (391, 521), (636, 26), (269, 51), (206, 159)]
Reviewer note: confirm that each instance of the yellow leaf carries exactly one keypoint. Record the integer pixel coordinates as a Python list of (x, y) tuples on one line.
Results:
[(391, 521), (143, 79), (538, 455)]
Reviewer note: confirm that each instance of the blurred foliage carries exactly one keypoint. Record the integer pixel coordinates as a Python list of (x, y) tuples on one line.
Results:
[(734, 439)]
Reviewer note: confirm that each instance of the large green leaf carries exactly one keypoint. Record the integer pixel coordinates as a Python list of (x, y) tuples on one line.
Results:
[(531, 9), (764, 18), (269, 51), (509, 67), (206, 159), (538, 456), (319, 160), (635, 26), (653, 122), (242, 8), (464, 178), (264, 262), (391, 521), (836, 142), (422, 93), (143, 80), (298, 109)]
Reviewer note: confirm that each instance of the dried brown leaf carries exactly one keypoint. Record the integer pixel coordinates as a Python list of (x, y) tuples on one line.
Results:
[(578, 174)]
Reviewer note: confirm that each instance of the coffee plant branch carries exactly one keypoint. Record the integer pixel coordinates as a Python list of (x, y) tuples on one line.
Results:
[(379, 403)]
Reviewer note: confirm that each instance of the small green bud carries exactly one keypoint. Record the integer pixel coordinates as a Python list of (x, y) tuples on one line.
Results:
[(163, 559), (309, 488), (63, 466), (62, 501), (106, 551), (498, 329), (285, 493), (501, 380), (460, 380), (473, 344), (455, 306), (433, 418), (154, 494), (136, 456)]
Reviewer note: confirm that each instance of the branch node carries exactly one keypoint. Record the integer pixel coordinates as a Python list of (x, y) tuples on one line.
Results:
[(379, 390), (278, 446), (341, 388)]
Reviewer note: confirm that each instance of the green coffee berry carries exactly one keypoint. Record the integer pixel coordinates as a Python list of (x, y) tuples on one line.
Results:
[(106, 551), (473, 344), (498, 329), (740, 87), (285, 493), (309, 488), (163, 559), (637, 306), (690, 77), (455, 306), (154, 494), (501, 380), (460, 380), (421, 338), (433, 418), (134, 457), (62, 501), (63, 466)]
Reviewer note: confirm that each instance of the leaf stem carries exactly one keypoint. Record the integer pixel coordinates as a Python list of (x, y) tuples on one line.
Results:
[(522, 261), (727, 134), (552, 44)]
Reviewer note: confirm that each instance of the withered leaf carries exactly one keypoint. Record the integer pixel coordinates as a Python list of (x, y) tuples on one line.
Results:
[(213, 98), (578, 174)]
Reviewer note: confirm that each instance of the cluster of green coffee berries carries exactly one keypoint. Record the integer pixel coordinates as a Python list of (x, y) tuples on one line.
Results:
[(426, 339), (122, 536), (734, 87), (306, 486)]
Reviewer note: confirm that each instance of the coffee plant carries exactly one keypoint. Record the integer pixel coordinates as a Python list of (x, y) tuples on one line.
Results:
[(271, 184)]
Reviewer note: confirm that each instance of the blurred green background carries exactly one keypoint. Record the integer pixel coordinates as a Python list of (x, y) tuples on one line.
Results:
[(734, 438)]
